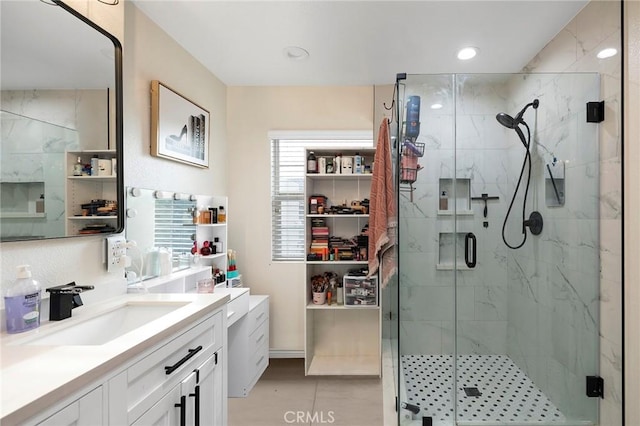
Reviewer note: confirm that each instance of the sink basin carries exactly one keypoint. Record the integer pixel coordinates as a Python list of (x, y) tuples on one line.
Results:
[(105, 327)]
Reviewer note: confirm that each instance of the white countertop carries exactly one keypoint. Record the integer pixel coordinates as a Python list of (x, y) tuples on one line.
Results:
[(34, 377)]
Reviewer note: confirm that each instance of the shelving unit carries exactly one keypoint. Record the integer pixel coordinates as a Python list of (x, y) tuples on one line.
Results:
[(209, 231), (83, 189), (340, 339)]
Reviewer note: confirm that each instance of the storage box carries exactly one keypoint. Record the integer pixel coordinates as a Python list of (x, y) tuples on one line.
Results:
[(360, 291)]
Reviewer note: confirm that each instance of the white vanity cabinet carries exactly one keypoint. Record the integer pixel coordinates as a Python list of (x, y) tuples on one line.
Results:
[(87, 410), (178, 382)]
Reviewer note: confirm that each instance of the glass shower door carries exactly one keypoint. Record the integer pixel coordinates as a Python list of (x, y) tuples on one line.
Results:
[(498, 308), (428, 248)]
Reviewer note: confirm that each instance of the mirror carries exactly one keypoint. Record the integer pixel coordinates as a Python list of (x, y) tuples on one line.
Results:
[(61, 124), (161, 224)]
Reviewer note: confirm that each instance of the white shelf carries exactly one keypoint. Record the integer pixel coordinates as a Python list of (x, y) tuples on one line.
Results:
[(109, 177), (340, 176), (214, 256), (337, 262), (21, 215), (312, 305), (449, 267), (93, 151), (91, 217), (356, 365), (210, 225), (338, 215), (458, 213)]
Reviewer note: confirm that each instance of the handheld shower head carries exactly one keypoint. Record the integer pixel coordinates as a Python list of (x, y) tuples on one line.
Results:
[(506, 120), (512, 123)]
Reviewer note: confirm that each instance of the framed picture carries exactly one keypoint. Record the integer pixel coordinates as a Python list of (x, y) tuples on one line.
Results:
[(179, 127)]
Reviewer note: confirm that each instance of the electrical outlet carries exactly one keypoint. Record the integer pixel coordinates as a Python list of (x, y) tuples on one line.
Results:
[(116, 251)]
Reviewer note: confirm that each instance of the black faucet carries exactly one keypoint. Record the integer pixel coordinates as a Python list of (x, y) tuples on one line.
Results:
[(64, 298)]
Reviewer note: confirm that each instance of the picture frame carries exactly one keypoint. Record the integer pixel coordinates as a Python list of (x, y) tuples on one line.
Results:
[(179, 127)]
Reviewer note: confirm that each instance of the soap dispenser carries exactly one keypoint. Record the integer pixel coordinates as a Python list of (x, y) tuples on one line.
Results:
[(444, 201), (22, 302)]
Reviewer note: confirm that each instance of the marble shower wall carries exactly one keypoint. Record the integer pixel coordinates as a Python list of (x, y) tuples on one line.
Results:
[(32, 165), (38, 126), (574, 49), (553, 290)]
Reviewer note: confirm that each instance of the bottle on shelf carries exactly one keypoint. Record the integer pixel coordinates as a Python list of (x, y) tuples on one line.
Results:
[(444, 201), (77, 167), (312, 164), (222, 215), (217, 244)]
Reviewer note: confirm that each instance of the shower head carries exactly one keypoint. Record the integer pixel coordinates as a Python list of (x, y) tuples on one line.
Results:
[(512, 123), (506, 120)]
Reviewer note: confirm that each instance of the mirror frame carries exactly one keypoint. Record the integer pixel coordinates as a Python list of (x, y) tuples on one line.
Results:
[(119, 127)]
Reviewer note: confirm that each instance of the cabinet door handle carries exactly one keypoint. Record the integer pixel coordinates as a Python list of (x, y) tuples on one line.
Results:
[(183, 412), (259, 316), (230, 314), (260, 338), (260, 360), (196, 395), (470, 242), (171, 368)]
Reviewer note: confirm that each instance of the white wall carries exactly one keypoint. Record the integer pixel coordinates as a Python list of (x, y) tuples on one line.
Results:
[(252, 113)]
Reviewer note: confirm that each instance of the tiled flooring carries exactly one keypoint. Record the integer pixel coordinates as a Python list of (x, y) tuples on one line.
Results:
[(283, 396)]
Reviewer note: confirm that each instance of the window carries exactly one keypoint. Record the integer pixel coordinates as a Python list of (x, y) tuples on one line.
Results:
[(288, 204)]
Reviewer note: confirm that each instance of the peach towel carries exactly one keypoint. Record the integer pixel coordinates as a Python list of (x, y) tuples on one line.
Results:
[(383, 221)]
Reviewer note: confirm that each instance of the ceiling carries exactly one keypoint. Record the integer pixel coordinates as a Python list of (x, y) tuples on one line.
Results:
[(357, 42)]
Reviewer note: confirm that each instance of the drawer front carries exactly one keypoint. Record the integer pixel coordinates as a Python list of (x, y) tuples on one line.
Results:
[(148, 379), (259, 312), (237, 308), (259, 337), (258, 362)]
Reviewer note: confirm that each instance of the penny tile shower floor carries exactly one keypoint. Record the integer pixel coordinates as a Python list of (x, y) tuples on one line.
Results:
[(507, 394)]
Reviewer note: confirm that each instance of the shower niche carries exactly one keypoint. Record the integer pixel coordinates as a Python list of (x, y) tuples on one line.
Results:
[(454, 196)]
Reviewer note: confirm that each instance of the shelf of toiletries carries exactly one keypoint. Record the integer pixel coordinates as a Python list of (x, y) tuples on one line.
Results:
[(210, 225), (340, 262)]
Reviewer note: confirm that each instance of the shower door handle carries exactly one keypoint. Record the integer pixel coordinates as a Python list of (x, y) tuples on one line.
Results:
[(470, 250)]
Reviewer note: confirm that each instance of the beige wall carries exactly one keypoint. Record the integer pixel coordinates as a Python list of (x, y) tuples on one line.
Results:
[(631, 209), (150, 54), (252, 112)]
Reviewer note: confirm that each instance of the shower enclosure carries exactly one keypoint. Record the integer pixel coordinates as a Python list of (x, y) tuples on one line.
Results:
[(495, 320)]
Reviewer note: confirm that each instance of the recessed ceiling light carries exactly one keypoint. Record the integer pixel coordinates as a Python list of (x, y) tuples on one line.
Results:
[(436, 106), (467, 53), (295, 53), (607, 53)]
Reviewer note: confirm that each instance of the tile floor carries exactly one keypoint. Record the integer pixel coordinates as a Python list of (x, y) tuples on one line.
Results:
[(283, 396)]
